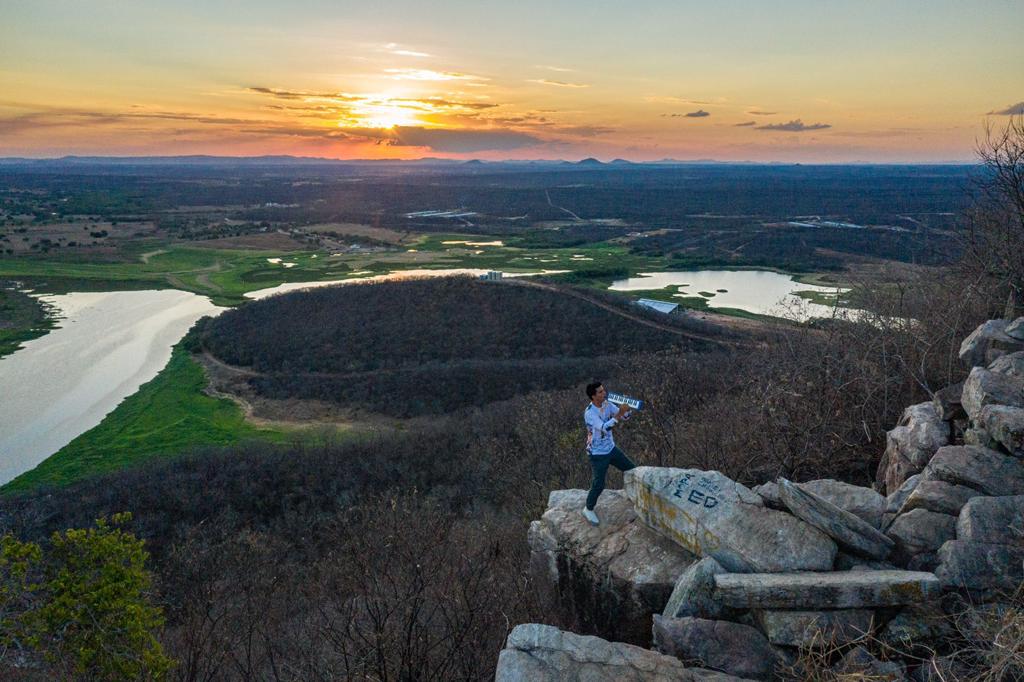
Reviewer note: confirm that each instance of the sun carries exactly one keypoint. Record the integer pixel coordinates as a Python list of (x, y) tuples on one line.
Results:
[(382, 112)]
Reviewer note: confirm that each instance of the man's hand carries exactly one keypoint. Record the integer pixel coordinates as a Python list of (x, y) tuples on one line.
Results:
[(624, 409)]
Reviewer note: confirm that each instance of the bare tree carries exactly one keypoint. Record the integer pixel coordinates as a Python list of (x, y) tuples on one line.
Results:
[(994, 238)]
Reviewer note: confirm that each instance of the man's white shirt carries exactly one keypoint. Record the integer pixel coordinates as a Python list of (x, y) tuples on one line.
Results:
[(599, 421)]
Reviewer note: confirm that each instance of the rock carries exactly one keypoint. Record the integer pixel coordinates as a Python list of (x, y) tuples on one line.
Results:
[(894, 502), (1015, 330), (806, 629), (979, 567), (841, 590), (920, 531), (939, 496), (983, 387), (849, 531), (978, 436), (1005, 425), (858, 500), (1011, 365), (917, 625), (849, 562), (717, 644), (693, 593), (608, 578), (993, 520), (543, 653), (769, 493), (989, 471), (988, 342), (859, 664), (919, 433), (947, 401), (712, 515)]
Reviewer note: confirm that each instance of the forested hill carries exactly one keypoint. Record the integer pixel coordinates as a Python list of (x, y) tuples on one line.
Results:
[(424, 346)]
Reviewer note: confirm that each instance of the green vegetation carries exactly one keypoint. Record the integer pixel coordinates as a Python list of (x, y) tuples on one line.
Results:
[(22, 318), (167, 416), (81, 607)]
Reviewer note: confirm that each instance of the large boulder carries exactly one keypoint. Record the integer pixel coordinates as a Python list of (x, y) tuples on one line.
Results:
[(896, 499), (815, 591), (981, 568), (917, 625), (863, 502), (920, 531), (1011, 365), (860, 664), (908, 447), (1005, 425), (542, 653), (711, 515), (716, 644), (938, 496), (807, 629), (983, 469), (983, 387), (988, 342), (993, 520), (1015, 330), (849, 531), (608, 578)]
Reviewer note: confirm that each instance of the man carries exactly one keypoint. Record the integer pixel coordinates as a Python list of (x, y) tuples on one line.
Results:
[(601, 416)]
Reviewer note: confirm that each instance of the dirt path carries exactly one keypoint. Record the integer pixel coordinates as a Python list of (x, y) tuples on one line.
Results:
[(149, 254), (560, 208)]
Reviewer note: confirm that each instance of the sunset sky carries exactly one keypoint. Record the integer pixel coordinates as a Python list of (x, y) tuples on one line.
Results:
[(821, 81)]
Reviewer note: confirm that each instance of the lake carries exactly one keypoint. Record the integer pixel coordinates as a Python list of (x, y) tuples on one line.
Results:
[(756, 291), (62, 384)]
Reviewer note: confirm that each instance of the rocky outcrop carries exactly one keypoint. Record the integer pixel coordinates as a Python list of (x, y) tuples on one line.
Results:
[(948, 403), (693, 594), (1011, 365), (995, 520), (1004, 425), (919, 433), (816, 591), (988, 342), (732, 648), (920, 533), (608, 578), (542, 653), (711, 515), (938, 496), (986, 570), (850, 532), (862, 502)]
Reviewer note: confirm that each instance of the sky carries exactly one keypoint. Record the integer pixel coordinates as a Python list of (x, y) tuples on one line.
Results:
[(786, 81)]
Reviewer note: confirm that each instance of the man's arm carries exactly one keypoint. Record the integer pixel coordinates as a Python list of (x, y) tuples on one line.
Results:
[(624, 410), (594, 421)]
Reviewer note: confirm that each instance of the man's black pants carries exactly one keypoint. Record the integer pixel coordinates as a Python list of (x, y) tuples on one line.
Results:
[(599, 463)]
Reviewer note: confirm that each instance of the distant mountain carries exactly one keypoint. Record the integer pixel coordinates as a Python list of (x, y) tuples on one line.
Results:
[(591, 161)]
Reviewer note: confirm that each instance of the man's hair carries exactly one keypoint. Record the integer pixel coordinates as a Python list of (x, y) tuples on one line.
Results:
[(592, 389)]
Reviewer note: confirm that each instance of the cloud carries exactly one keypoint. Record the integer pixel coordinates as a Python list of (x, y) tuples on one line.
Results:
[(448, 140), (558, 84), (559, 69), (700, 113), (1012, 110), (745, 124), (794, 126), (762, 113), (298, 94), (431, 75)]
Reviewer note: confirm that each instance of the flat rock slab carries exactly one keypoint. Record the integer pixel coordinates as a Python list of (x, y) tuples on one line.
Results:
[(983, 469), (983, 387), (862, 502), (543, 653), (993, 520), (807, 629), (849, 531), (980, 567), (609, 578), (1005, 425), (938, 496), (709, 514), (840, 590), (716, 644)]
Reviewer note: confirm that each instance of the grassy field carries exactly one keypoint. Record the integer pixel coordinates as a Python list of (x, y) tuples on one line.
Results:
[(168, 415)]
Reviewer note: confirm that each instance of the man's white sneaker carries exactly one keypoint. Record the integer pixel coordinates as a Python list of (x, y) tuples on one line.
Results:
[(591, 516)]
